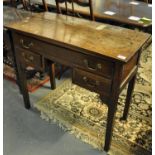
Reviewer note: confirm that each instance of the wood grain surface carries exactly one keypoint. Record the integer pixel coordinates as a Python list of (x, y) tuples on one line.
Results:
[(103, 39)]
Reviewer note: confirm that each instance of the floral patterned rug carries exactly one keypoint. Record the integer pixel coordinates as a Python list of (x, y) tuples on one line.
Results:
[(82, 113)]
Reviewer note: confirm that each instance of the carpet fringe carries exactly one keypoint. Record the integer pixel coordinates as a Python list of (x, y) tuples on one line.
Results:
[(73, 131)]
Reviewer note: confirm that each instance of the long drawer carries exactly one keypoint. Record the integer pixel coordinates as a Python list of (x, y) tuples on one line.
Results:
[(66, 56), (92, 82)]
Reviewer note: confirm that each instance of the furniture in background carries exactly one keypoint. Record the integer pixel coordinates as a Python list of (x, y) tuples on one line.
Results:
[(104, 58), (78, 2), (119, 14), (30, 6), (146, 1), (12, 3)]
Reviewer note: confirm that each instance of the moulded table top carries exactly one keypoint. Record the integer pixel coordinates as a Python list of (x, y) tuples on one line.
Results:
[(83, 35)]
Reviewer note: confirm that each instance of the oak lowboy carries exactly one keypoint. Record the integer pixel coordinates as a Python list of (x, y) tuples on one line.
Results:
[(104, 58)]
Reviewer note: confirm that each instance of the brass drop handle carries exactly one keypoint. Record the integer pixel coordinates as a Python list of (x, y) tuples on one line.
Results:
[(98, 65), (28, 58), (91, 84), (24, 45), (31, 58)]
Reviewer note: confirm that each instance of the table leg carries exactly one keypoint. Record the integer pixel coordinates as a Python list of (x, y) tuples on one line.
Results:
[(14, 59), (51, 70), (112, 105), (110, 123), (129, 97), (18, 81), (23, 85)]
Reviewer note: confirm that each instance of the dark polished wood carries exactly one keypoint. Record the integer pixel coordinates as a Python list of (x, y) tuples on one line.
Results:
[(104, 58), (92, 82), (73, 13), (11, 15), (73, 2), (122, 8), (45, 5), (26, 4), (129, 97), (146, 1), (28, 58), (12, 3), (51, 70), (22, 80), (80, 35), (112, 104)]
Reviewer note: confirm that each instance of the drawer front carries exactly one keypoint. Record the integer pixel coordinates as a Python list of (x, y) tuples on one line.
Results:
[(92, 82), (28, 58), (28, 43), (66, 56), (95, 65)]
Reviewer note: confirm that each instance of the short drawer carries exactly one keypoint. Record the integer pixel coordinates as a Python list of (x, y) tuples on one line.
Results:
[(28, 43), (91, 81), (28, 58), (95, 65)]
